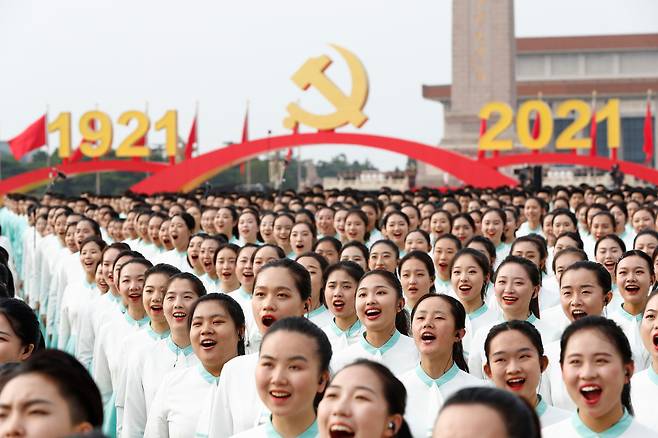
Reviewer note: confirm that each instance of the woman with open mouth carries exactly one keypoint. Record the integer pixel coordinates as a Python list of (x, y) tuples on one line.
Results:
[(194, 264), (533, 248), (395, 226), (445, 248), (248, 227), (225, 260), (291, 375), (217, 336), (148, 367), (647, 241), (380, 308), (635, 276), (356, 226), (417, 240), (645, 383), (597, 366), (155, 286), (341, 281), (165, 237), (463, 227), (207, 254), (302, 238), (108, 354), (470, 276), (516, 283), (225, 222), (282, 229), (78, 294), (266, 228), (437, 326), (416, 273), (357, 253), (515, 362), (363, 400), (315, 264), (608, 250), (282, 289), (493, 226), (384, 255), (244, 270), (180, 232)]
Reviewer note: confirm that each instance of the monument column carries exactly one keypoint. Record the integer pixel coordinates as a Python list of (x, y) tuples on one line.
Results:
[(483, 70)]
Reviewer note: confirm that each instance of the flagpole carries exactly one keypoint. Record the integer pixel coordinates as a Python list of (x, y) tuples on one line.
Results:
[(248, 164), (98, 174), (196, 117), (47, 140)]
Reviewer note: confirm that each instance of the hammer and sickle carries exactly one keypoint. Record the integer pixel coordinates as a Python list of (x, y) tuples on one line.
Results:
[(348, 108)]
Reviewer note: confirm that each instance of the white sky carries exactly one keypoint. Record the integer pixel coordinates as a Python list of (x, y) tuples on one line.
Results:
[(74, 55)]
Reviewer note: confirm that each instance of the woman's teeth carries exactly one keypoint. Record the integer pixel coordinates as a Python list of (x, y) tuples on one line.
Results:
[(280, 394), (516, 383), (268, 320), (208, 343), (179, 315), (577, 314), (592, 393)]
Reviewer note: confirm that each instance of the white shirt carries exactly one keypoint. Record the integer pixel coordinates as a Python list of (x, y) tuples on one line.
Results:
[(425, 396), (320, 316), (502, 251), (549, 294), (252, 335), (75, 300), (210, 284), (525, 229), (444, 287), (267, 430), (552, 387), (100, 310), (340, 339), (477, 358), (549, 414), (644, 395), (573, 427), (175, 258), (630, 324), (399, 354), (143, 379), (555, 315), (485, 315), (175, 410), (236, 406)]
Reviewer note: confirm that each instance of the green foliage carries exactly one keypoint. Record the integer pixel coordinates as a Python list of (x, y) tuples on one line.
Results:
[(339, 164)]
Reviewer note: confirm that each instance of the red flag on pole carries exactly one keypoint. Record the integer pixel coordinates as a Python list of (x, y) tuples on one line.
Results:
[(245, 136), (191, 140), (592, 128), (483, 129), (536, 129), (288, 156), (32, 138), (648, 145)]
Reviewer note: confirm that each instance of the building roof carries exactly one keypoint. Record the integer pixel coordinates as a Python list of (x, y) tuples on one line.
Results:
[(611, 87), (594, 43)]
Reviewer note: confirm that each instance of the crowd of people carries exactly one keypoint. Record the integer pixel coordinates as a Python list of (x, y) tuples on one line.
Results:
[(463, 313)]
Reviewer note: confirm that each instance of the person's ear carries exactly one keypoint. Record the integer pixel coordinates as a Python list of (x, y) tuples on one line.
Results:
[(629, 368), (83, 428), (324, 379), (607, 298), (459, 334), (487, 370), (535, 291), (393, 424), (543, 363), (27, 352)]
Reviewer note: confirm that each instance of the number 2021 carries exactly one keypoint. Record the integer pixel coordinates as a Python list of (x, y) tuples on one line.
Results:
[(97, 131), (565, 140)]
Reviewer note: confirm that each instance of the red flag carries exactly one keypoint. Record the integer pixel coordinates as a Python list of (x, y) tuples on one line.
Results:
[(288, 156), (191, 140), (245, 136), (483, 129), (32, 138), (647, 147), (536, 129)]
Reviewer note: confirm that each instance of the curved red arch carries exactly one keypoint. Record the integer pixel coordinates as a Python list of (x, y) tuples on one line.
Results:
[(27, 181), (637, 170), (190, 173)]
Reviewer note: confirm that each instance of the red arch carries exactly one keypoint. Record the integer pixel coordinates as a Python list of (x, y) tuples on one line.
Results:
[(190, 173), (637, 170), (27, 181)]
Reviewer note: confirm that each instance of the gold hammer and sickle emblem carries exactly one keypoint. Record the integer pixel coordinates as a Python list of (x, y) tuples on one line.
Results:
[(348, 108)]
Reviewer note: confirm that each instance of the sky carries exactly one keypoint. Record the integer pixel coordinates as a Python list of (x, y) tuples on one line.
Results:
[(120, 55)]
